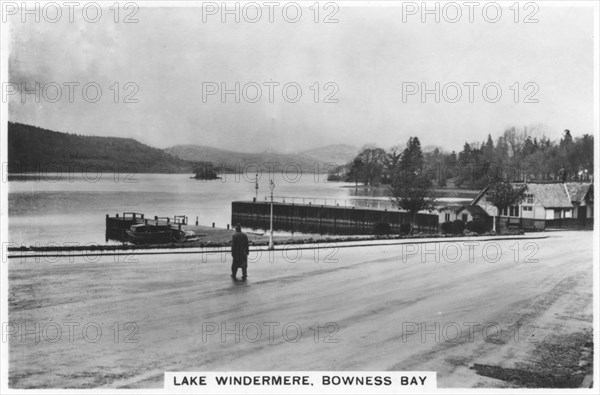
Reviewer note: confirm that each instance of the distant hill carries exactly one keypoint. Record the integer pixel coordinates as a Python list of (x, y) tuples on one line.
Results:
[(33, 149), (235, 161), (339, 154)]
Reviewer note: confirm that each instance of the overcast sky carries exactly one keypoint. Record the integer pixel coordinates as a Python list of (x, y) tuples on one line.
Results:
[(368, 55)]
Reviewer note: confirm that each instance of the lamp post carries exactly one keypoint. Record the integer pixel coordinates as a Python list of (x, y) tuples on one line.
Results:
[(256, 188), (272, 187)]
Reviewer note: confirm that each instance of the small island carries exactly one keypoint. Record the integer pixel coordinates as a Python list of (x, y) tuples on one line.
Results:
[(205, 171)]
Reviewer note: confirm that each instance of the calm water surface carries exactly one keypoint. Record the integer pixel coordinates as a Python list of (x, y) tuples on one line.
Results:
[(64, 210), (73, 210)]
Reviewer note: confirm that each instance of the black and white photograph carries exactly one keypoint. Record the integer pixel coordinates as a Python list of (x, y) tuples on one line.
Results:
[(299, 197)]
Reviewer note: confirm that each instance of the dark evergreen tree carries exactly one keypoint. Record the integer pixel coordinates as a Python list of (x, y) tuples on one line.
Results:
[(411, 190)]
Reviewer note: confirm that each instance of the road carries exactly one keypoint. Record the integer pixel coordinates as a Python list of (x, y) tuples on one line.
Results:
[(487, 316)]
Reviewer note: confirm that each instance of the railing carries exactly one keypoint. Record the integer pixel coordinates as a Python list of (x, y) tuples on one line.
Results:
[(363, 202), (176, 220), (180, 219), (132, 215), (130, 218)]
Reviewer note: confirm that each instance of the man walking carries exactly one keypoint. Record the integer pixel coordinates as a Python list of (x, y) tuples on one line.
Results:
[(239, 252)]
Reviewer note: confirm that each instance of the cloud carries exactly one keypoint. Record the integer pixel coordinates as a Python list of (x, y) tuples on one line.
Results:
[(368, 55)]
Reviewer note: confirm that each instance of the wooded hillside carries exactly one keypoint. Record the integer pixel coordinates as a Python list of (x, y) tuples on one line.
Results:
[(33, 149)]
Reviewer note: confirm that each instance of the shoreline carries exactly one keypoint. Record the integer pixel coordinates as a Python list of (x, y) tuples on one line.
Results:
[(300, 244)]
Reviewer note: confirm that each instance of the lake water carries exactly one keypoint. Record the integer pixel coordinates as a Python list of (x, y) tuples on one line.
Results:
[(73, 210), (66, 210)]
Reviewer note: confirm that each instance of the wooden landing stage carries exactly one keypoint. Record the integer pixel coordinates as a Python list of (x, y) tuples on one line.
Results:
[(322, 219), (117, 226)]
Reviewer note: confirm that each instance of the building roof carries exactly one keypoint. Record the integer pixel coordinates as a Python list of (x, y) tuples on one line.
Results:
[(551, 194), (518, 185), (451, 207), (479, 195), (578, 190), (474, 210)]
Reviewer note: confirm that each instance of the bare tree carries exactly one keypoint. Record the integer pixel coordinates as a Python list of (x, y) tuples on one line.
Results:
[(372, 159)]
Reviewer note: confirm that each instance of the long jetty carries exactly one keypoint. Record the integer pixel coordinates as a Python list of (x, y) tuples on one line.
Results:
[(324, 219)]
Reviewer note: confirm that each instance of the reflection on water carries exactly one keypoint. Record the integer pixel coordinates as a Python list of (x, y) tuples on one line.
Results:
[(372, 192)]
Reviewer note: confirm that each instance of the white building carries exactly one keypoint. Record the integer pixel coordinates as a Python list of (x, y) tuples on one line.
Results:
[(547, 203)]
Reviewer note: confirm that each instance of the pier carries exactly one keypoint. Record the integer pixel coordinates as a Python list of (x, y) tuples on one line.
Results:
[(117, 226), (324, 219)]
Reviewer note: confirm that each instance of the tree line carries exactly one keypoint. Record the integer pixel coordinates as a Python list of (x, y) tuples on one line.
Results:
[(516, 155)]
